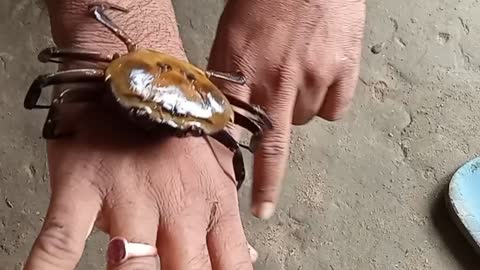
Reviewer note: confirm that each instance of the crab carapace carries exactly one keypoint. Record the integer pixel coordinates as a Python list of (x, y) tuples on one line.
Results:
[(153, 85)]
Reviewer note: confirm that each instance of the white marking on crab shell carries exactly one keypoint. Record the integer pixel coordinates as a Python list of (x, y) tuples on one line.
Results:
[(215, 105), (172, 123), (141, 82), (147, 109), (172, 97)]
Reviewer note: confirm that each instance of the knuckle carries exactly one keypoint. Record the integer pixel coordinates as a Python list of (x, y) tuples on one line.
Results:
[(226, 214), (200, 261), (274, 146), (266, 189), (57, 244)]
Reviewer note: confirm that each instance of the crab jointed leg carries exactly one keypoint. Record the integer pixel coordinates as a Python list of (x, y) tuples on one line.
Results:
[(98, 11), (253, 109), (240, 79), (251, 125), (61, 77), (238, 165), (231, 77), (71, 95), (58, 55)]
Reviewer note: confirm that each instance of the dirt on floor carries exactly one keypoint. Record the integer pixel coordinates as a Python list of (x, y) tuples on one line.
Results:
[(362, 193)]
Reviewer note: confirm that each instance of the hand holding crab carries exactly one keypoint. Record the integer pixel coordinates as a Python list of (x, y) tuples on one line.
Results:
[(299, 63), (152, 192), (156, 89)]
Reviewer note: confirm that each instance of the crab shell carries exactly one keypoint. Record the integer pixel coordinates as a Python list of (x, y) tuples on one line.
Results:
[(169, 91)]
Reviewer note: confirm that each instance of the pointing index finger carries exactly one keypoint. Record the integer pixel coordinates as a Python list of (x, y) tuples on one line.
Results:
[(272, 155)]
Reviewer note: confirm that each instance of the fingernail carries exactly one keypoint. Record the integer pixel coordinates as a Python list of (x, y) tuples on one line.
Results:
[(263, 210), (253, 253)]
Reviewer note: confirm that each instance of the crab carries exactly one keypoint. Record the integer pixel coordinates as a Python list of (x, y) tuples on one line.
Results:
[(148, 84)]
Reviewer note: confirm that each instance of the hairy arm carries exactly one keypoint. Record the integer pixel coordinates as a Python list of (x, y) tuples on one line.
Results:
[(150, 23)]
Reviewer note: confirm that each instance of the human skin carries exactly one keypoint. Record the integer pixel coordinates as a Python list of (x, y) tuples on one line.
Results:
[(301, 60), (168, 192)]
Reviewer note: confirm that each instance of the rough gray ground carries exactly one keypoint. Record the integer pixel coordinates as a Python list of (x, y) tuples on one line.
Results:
[(363, 193)]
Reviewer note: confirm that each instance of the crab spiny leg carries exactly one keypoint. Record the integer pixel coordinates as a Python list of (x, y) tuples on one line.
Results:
[(238, 164), (98, 11), (61, 77), (58, 55)]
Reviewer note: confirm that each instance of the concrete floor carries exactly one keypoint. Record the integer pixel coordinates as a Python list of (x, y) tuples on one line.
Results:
[(363, 193)]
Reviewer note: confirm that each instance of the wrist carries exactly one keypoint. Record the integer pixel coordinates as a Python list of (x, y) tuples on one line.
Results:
[(152, 24)]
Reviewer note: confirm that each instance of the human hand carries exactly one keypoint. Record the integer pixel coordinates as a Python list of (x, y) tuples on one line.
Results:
[(301, 59), (158, 190), (167, 192)]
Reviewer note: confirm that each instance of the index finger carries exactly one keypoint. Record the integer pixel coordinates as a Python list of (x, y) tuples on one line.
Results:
[(272, 155)]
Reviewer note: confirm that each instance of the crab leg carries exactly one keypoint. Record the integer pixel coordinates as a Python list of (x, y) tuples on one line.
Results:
[(71, 95), (238, 166), (231, 77), (57, 55), (61, 77), (253, 109), (240, 79), (98, 11), (251, 125)]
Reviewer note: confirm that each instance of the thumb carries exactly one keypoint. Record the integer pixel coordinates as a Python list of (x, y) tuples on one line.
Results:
[(272, 155)]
